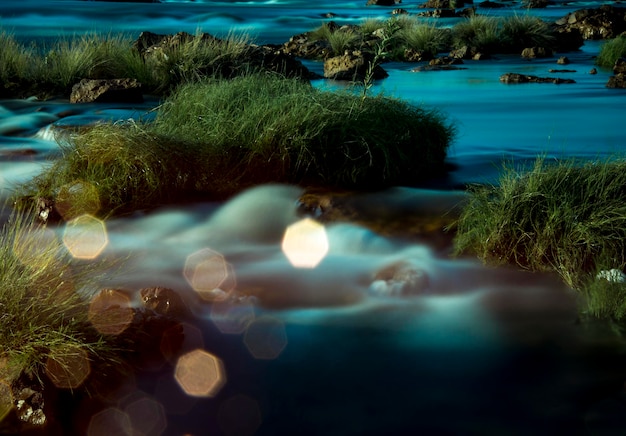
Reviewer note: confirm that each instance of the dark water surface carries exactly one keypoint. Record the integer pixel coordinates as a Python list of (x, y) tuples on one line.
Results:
[(481, 352)]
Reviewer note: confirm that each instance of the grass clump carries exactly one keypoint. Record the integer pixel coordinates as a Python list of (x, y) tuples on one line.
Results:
[(305, 134), (220, 136), (610, 51), (44, 316), (521, 31), (423, 37), (564, 217), (16, 65), (478, 31)]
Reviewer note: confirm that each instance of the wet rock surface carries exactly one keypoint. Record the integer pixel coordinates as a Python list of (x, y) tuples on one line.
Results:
[(512, 78), (604, 22), (107, 90)]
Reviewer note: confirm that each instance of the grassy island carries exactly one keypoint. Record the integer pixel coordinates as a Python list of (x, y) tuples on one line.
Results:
[(565, 217), (217, 137)]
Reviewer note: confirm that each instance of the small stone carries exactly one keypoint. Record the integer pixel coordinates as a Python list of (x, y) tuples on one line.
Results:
[(563, 60)]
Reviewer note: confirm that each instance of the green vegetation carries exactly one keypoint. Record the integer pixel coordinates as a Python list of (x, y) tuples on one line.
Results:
[(220, 136), (478, 31), (564, 217), (46, 71), (610, 51), (482, 33), (44, 317), (424, 38)]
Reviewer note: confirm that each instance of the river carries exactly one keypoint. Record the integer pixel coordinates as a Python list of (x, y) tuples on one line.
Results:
[(330, 350)]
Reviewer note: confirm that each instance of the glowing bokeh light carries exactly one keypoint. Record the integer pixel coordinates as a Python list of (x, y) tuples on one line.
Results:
[(208, 273), (110, 421), (305, 243), (265, 338), (200, 374), (232, 318), (147, 416), (85, 237), (70, 370), (6, 399), (239, 415), (77, 198), (110, 311)]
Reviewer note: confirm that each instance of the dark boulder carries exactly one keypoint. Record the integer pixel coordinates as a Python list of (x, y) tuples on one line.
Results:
[(111, 90), (352, 66), (154, 49), (536, 52), (619, 79), (511, 78), (604, 22), (382, 2)]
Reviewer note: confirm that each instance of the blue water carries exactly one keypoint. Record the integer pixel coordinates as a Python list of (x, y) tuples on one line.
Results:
[(485, 352)]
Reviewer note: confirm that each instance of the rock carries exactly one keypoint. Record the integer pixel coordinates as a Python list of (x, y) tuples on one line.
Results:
[(399, 11), (411, 55), (617, 81), (351, 66), (382, 2), (620, 66), (103, 90), (524, 78), (536, 52), (303, 46), (487, 4), (445, 60), (154, 49), (399, 279), (164, 301), (438, 4), (536, 4), (604, 22), (563, 60), (593, 71), (561, 71), (438, 13)]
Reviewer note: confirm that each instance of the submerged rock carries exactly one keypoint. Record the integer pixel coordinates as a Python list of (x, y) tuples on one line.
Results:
[(527, 78)]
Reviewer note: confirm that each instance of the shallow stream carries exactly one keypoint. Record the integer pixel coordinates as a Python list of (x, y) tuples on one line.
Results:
[(333, 349)]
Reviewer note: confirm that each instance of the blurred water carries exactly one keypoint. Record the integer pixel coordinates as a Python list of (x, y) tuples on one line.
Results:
[(480, 351)]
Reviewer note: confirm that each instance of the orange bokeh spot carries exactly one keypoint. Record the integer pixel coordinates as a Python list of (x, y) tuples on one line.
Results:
[(265, 338), (110, 312), (85, 237), (111, 421), (68, 371), (200, 374), (305, 243), (208, 273), (232, 318)]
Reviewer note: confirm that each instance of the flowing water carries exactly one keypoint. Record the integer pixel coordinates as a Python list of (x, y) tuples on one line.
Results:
[(336, 348)]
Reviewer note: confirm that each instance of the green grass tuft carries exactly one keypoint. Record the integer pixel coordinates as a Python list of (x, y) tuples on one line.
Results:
[(221, 136), (610, 51), (43, 302), (562, 217)]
